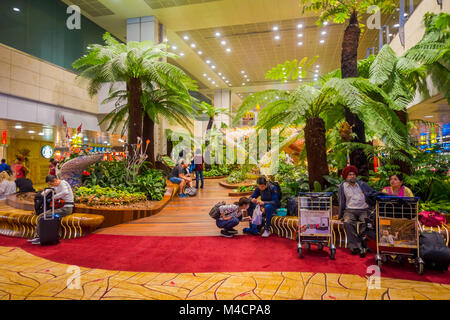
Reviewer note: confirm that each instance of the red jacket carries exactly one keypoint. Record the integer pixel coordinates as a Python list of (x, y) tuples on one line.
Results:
[(199, 162)]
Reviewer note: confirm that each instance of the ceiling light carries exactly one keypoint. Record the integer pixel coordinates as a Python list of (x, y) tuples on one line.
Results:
[(223, 78), (322, 41), (323, 32), (223, 42), (243, 83), (181, 54), (208, 61), (165, 40), (173, 47), (277, 37), (245, 76), (248, 80), (213, 66), (213, 82), (18, 126), (40, 133), (300, 43), (300, 35), (193, 45), (299, 26), (428, 116), (217, 34), (200, 53), (16, 9), (209, 78), (325, 23), (186, 38), (228, 50), (317, 66), (204, 74), (275, 28), (242, 71), (31, 131)]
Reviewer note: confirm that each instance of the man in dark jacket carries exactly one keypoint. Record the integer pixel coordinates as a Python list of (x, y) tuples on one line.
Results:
[(355, 199), (270, 201)]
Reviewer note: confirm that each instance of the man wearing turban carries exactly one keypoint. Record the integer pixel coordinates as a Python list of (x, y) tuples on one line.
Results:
[(355, 198)]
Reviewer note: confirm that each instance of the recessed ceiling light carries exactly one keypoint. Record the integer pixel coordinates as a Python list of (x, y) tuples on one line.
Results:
[(299, 26), (213, 82), (200, 52), (181, 54), (208, 61), (300, 43), (243, 83), (18, 126), (213, 66), (300, 35), (245, 76), (223, 42), (165, 40), (217, 34), (322, 41), (323, 32), (16, 9), (204, 74), (248, 80), (223, 78), (275, 28), (186, 38), (40, 133), (428, 116), (173, 47), (220, 73), (31, 131), (317, 66), (242, 71), (193, 45), (277, 37), (228, 50)]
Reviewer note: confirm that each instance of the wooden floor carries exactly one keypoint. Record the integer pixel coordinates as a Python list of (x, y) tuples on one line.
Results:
[(182, 216)]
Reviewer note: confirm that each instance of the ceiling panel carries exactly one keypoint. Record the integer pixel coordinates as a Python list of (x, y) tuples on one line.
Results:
[(159, 4), (93, 7)]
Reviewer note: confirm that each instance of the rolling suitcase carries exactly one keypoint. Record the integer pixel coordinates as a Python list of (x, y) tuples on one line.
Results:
[(49, 225)]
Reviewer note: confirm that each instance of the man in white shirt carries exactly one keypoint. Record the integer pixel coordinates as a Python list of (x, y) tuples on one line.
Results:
[(64, 192)]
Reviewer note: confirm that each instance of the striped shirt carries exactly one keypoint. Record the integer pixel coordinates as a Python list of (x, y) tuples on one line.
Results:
[(230, 209)]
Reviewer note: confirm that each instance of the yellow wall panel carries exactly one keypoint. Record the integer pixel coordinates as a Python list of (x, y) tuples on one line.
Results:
[(24, 90), (24, 75)]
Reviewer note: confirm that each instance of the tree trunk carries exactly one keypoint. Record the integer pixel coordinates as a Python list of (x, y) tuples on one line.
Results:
[(316, 152), (149, 134), (349, 69), (208, 128), (208, 161), (134, 87), (404, 167)]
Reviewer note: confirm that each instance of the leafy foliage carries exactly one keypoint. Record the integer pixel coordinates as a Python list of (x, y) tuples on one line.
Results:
[(97, 195)]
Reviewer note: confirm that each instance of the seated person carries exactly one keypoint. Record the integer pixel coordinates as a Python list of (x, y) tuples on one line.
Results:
[(25, 185), (387, 238), (397, 188), (269, 203), (64, 192), (178, 176), (7, 185), (354, 199), (230, 215)]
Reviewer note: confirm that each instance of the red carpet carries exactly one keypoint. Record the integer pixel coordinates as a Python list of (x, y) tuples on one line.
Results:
[(208, 254)]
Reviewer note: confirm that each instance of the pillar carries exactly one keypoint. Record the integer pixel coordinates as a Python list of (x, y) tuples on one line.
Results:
[(222, 99)]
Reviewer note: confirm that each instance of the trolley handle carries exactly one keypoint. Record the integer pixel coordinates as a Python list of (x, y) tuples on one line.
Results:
[(315, 194)]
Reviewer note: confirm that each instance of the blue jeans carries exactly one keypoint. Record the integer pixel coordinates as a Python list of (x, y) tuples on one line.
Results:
[(227, 224), (269, 210), (175, 180), (198, 175)]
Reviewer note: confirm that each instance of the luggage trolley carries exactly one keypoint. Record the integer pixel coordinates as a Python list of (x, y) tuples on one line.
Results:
[(314, 221), (397, 230)]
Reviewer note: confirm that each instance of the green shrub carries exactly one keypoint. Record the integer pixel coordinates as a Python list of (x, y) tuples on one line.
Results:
[(106, 196)]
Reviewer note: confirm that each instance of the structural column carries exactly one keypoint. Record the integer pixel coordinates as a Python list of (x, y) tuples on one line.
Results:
[(222, 99)]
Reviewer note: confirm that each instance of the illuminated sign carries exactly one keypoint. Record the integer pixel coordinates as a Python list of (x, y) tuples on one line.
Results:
[(47, 151)]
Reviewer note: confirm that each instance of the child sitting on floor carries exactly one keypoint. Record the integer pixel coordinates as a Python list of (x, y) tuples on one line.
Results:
[(230, 215)]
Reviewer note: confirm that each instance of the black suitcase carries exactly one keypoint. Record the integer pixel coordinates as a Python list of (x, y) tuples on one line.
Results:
[(49, 225), (434, 251)]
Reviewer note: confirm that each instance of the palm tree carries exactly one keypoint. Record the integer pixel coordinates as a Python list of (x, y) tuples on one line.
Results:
[(340, 11), (211, 111), (321, 109), (153, 86)]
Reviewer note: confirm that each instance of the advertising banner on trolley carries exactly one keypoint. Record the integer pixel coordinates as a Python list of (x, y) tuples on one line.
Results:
[(315, 222)]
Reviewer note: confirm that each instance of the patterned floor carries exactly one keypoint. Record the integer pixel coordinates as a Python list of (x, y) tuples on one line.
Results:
[(24, 276)]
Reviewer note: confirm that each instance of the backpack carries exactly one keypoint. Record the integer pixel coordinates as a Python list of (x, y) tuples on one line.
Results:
[(278, 187), (215, 212), (431, 218), (191, 192), (433, 250)]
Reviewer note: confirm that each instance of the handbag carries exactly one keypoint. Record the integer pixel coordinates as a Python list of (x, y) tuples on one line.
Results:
[(431, 218), (257, 216)]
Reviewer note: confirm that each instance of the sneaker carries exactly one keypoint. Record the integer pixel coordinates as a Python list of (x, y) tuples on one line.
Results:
[(226, 234), (233, 231), (37, 241), (182, 195), (33, 239), (266, 234)]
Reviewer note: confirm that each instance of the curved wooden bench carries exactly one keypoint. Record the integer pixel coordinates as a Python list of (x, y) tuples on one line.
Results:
[(19, 223), (286, 227)]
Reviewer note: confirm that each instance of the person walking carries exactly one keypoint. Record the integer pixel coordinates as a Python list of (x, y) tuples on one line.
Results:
[(19, 170), (4, 166), (355, 199), (199, 162)]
